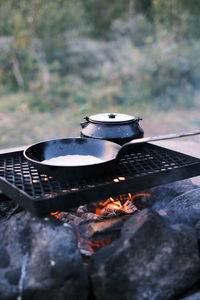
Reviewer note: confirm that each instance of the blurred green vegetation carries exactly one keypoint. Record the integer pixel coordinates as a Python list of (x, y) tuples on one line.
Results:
[(97, 53)]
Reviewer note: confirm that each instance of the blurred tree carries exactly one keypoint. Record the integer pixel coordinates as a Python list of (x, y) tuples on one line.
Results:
[(139, 6), (178, 16), (35, 35), (101, 13), (38, 31), (47, 20)]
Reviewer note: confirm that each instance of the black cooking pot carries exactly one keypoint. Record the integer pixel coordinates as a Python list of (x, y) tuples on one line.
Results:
[(114, 127)]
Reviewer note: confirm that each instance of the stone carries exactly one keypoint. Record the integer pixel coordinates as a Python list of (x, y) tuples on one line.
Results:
[(195, 296), (197, 227), (7, 207), (163, 194), (39, 259), (153, 259), (185, 208)]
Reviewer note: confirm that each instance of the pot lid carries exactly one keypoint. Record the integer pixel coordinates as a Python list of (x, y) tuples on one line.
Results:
[(111, 118)]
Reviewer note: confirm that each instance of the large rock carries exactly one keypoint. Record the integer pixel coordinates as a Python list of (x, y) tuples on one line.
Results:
[(195, 296), (39, 259), (163, 194), (185, 208), (153, 259), (7, 207), (197, 227)]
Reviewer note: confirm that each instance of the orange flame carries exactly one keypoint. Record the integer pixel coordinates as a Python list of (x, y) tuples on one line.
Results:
[(140, 195), (92, 246), (109, 204), (56, 214), (100, 243), (112, 205)]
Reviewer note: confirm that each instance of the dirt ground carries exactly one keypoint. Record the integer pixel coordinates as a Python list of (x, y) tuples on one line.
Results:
[(23, 128)]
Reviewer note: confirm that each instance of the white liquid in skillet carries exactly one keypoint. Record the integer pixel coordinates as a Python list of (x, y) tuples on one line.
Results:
[(73, 160)]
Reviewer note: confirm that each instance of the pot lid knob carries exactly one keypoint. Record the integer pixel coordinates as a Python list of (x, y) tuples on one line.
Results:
[(111, 116)]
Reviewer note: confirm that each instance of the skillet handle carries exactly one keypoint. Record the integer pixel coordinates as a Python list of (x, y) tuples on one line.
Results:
[(157, 138)]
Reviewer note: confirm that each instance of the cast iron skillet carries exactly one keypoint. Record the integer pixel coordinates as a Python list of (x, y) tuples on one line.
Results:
[(102, 149), (107, 151)]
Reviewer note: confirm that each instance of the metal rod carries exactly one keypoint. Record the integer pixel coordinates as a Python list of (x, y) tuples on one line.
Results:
[(163, 137), (155, 138)]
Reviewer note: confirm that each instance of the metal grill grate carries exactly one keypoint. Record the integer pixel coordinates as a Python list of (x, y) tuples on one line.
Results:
[(147, 165)]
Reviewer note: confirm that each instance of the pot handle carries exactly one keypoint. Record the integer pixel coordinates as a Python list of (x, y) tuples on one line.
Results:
[(137, 119), (84, 124)]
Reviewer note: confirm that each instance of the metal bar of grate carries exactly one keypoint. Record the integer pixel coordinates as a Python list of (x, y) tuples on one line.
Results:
[(144, 166)]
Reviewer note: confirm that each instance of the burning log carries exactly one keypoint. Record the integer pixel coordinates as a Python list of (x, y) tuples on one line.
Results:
[(90, 228)]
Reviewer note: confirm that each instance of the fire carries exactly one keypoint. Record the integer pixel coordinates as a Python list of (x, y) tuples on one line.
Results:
[(109, 208), (98, 244), (93, 246), (113, 205), (139, 195), (56, 214)]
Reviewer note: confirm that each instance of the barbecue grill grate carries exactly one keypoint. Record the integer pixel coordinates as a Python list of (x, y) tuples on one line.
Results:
[(145, 166)]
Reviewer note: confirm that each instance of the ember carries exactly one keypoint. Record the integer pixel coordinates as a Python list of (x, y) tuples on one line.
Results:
[(56, 214), (87, 246), (119, 179)]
